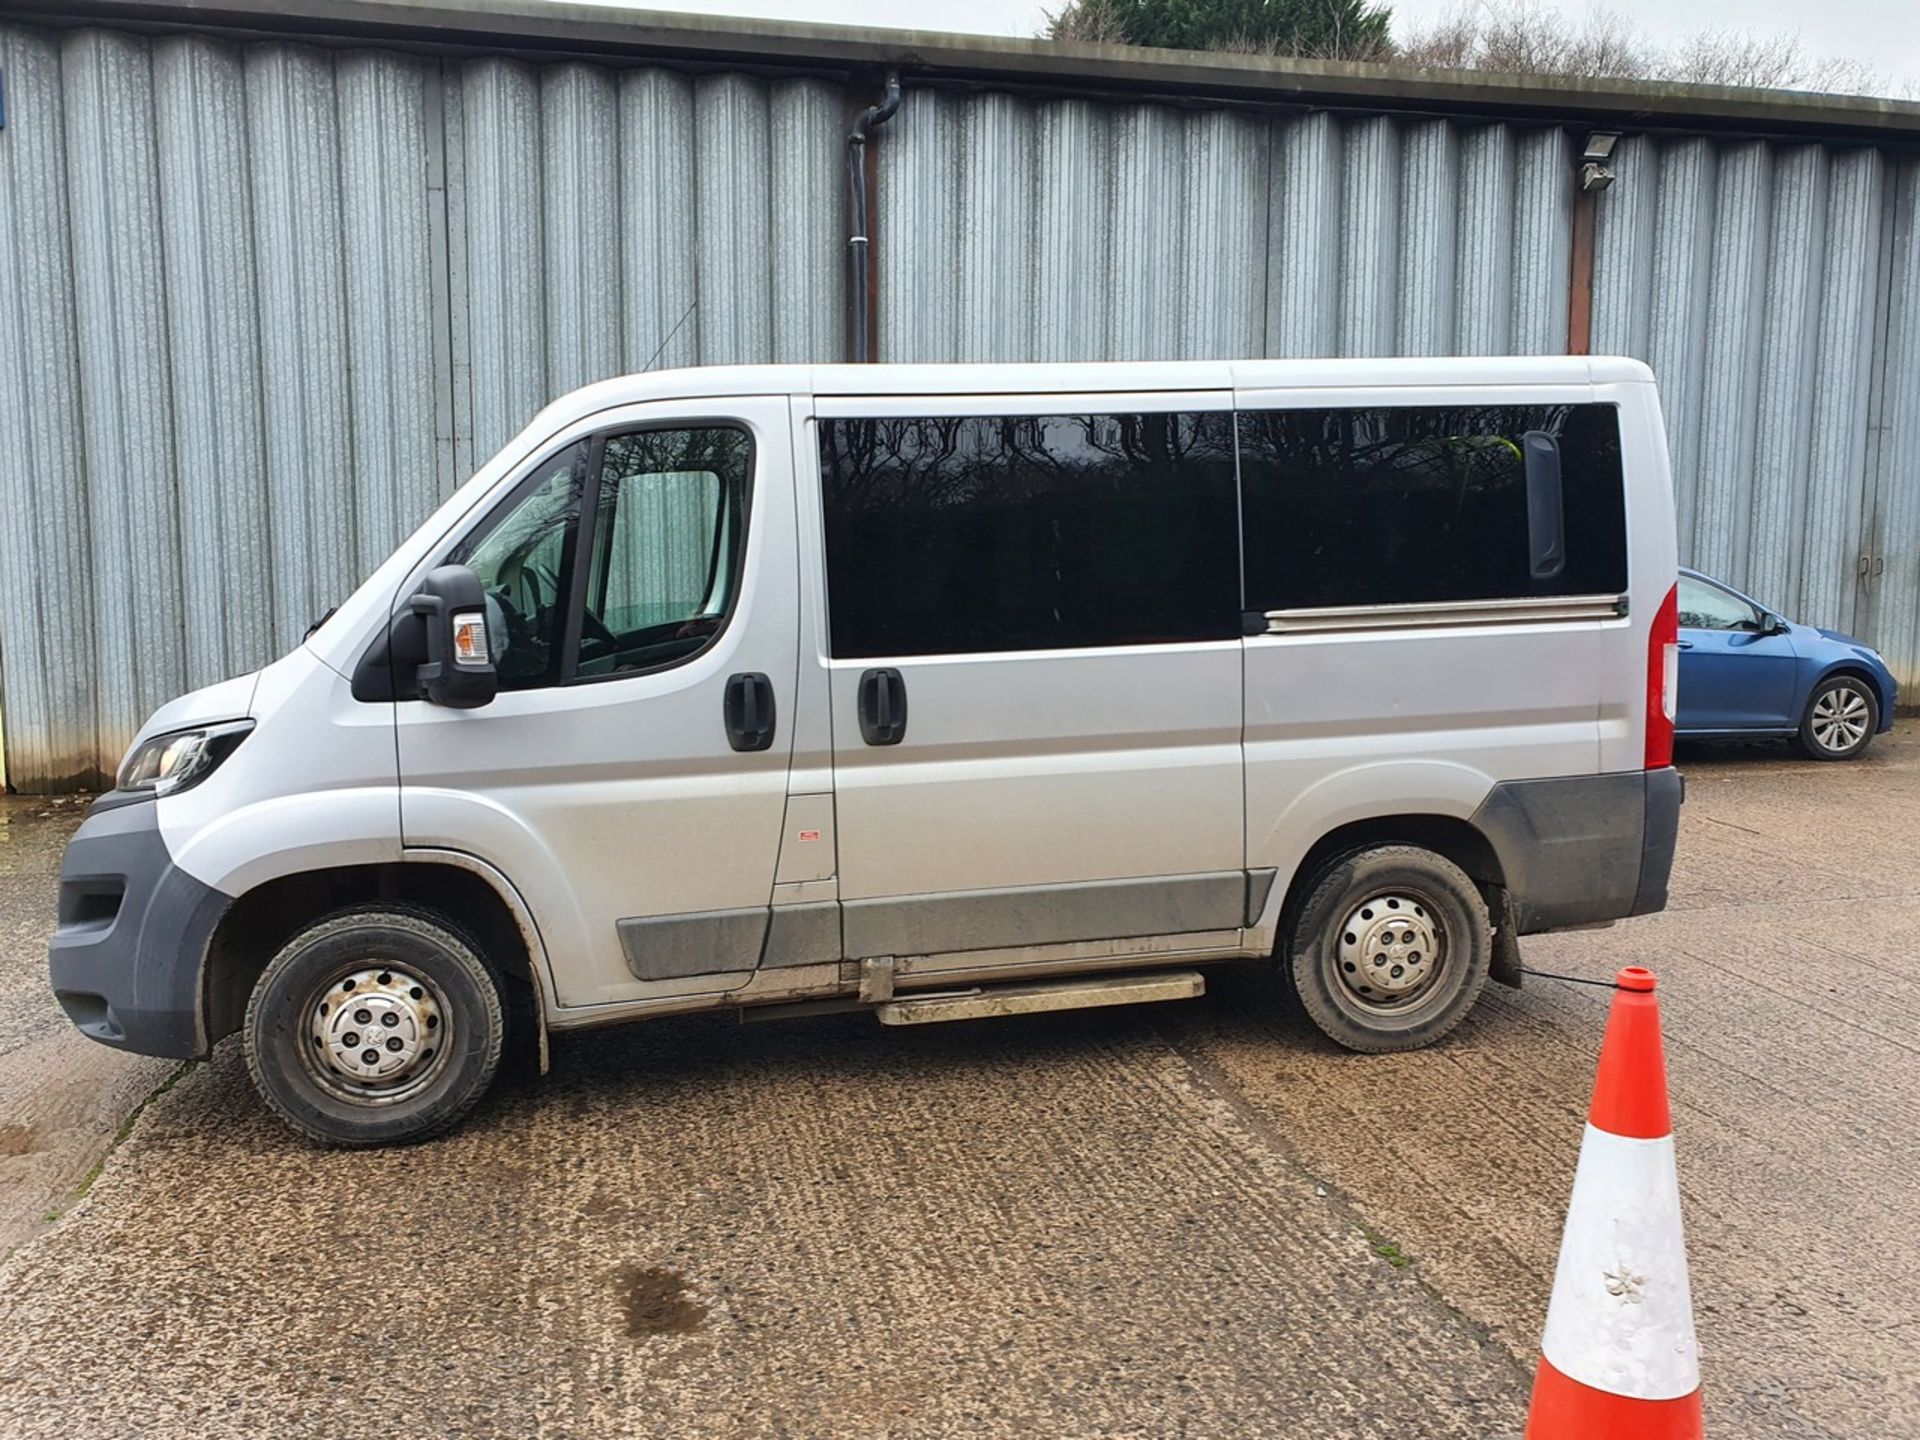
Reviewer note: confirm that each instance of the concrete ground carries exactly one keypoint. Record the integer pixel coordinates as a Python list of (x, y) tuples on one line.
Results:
[(1198, 1219)]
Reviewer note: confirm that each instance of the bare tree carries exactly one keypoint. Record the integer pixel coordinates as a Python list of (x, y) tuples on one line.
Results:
[(1527, 37), (1772, 62)]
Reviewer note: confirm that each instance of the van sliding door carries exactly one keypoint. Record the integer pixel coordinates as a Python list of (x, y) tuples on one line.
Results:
[(1035, 672)]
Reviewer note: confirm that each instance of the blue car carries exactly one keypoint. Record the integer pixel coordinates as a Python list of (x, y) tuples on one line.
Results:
[(1746, 671)]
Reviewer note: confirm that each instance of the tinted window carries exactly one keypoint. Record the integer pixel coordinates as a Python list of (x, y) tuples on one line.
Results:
[(1412, 505), (1708, 607), (669, 529), (524, 558), (958, 535)]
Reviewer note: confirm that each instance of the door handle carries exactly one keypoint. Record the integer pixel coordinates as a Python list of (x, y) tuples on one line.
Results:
[(883, 707), (1683, 644), (747, 707)]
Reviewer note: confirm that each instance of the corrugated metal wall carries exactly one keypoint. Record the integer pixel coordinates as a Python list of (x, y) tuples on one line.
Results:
[(1775, 290), (261, 306), (1012, 229)]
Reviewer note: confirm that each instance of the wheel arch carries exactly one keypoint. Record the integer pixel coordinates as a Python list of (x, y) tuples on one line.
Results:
[(1449, 836), (1858, 671), (469, 892)]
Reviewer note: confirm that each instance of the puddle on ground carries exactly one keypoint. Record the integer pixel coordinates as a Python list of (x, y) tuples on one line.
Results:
[(656, 1301)]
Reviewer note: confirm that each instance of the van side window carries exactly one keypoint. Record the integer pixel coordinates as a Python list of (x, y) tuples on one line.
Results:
[(1411, 505), (669, 533), (524, 559), (959, 535)]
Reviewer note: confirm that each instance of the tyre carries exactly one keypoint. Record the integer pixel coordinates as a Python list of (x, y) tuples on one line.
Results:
[(376, 1025), (1390, 949), (1841, 716)]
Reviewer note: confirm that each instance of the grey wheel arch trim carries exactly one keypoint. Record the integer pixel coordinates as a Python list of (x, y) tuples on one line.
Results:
[(545, 998), (1580, 849)]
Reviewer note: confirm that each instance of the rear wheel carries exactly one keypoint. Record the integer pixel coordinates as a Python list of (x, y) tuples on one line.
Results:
[(1841, 717), (1391, 948), (377, 1025)]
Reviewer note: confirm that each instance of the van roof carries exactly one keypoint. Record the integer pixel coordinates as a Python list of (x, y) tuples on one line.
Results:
[(1067, 378)]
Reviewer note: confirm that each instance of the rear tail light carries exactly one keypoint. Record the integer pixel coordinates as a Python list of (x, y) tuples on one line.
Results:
[(1663, 679)]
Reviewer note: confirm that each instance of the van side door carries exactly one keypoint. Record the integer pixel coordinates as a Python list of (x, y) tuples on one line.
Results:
[(630, 778), (1033, 612)]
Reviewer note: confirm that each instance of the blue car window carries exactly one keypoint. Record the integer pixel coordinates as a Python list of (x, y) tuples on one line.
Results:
[(1708, 607)]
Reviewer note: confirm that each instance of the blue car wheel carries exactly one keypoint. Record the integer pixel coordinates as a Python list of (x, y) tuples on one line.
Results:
[(1841, 717)]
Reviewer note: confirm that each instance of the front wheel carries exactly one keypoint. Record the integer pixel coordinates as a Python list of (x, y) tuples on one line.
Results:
[(377, 1025), (1841, 717), (1391, 948)]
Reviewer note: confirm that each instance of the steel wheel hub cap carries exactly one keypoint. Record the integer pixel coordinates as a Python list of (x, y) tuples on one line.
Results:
[(1840, 718), (378, 1026), (1390, 948)]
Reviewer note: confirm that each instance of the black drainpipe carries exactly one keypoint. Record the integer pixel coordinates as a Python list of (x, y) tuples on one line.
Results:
[(859, 264)]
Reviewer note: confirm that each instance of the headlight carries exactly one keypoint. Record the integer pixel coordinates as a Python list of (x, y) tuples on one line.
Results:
[(180, 758)]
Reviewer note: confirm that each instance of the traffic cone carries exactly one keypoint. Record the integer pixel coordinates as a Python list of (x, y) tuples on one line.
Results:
[(1619, 1357)]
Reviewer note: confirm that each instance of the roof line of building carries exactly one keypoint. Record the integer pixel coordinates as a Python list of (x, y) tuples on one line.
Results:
[(536, 28)]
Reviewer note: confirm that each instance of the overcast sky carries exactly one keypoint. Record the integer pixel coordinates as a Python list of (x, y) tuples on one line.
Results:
[(1884, 33)]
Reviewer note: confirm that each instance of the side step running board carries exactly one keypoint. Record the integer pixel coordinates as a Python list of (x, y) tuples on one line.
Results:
[(1088, 994)]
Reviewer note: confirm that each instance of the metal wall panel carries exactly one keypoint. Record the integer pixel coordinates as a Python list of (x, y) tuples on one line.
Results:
[(657, 234), (395, 374), (1014, 229), (807, 280), (504, 238), (733, 200), (1894, 440), (299, 239), (1753, 277), (47, 657), (261, 305), (113, 176), (214, 354), (1069, 304), (1425, 237)]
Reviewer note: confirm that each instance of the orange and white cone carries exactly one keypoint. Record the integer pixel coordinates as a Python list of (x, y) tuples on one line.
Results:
[(1619, 1357)]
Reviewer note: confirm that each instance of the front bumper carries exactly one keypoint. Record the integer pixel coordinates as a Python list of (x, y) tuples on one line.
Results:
[(127, 957)]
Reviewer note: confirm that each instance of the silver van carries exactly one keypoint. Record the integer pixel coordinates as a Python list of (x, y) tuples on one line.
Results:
[(941, 691)]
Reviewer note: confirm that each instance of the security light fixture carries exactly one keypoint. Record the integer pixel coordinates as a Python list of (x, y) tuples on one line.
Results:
[(1595, 173)]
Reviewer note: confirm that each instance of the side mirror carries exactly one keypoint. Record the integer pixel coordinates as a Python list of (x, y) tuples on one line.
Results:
[(1771, 624), (459, 670)]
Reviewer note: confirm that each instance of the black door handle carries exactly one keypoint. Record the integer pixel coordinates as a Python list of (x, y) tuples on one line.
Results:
[(748, 709), (883, 707)]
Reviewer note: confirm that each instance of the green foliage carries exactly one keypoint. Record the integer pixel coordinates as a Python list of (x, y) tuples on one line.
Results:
[(1333, 29)]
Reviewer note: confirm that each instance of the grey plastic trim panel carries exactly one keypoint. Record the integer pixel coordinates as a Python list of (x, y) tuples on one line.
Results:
[(1259, 887), (1044, 914), (806, 934), (702, 942), (1666, 793), (125, 961), (1524, 611), (1571, 850)]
